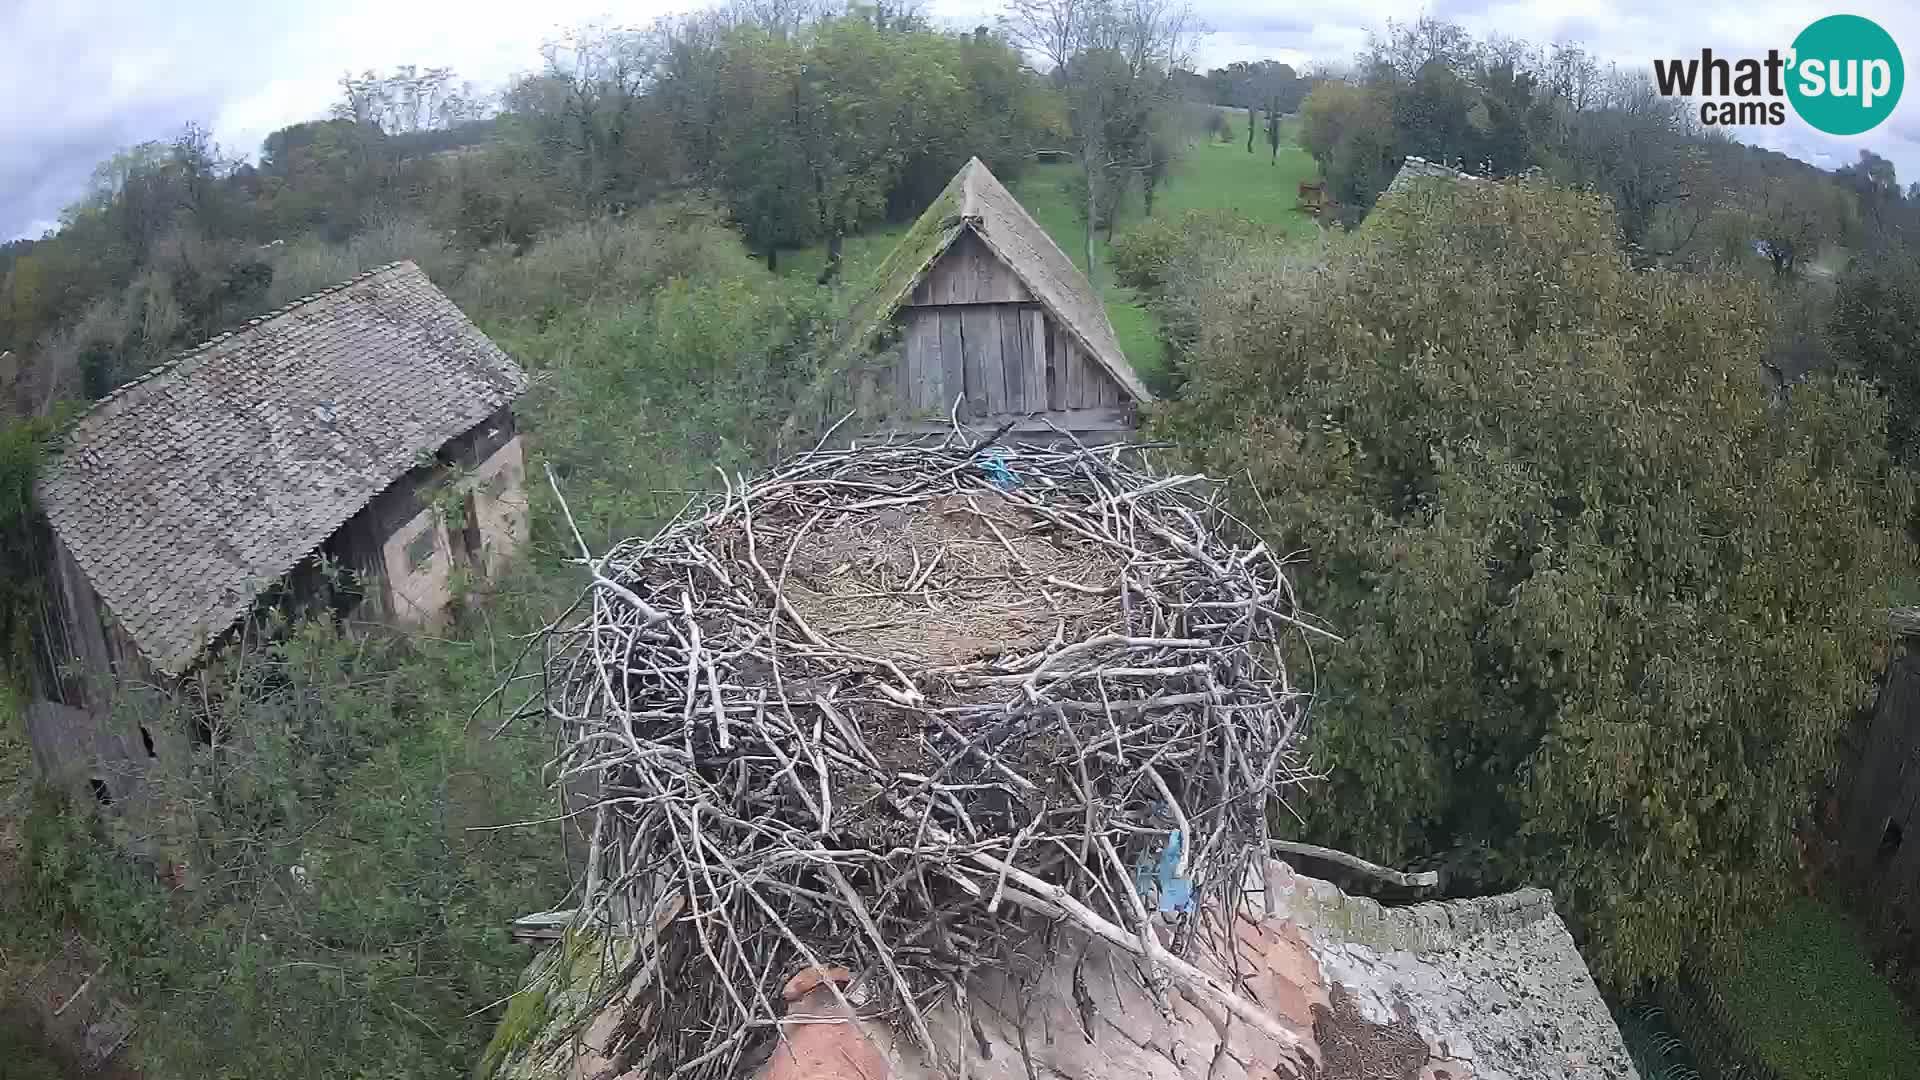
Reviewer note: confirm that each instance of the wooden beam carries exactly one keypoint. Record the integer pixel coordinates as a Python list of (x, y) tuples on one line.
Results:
[(1033, 358), (1056, 377), (1014, 357), (1074, 420), (953, 374), (980, 337), (1355, 862)]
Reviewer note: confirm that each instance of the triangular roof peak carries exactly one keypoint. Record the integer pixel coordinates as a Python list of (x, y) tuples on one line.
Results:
[(975, 200)]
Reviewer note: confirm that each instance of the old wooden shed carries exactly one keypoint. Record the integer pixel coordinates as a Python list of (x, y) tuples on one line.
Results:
[(352, 450), (978, 313)]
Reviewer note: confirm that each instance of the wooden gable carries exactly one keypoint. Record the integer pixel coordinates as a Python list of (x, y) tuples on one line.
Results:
[(969, 273), (972, 330)]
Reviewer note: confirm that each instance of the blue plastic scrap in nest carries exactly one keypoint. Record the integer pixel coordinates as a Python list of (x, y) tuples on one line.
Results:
[(1163, 882), (995, 466)]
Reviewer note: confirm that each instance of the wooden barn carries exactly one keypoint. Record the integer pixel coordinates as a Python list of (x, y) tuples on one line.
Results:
[(977, 312), (353, 450)]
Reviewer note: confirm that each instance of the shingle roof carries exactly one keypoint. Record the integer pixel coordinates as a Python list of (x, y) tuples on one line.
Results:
[(185, 493), (975, 199), (1415, 169)]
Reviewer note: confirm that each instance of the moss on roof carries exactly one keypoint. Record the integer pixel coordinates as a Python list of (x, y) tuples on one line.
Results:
[(972, 199)]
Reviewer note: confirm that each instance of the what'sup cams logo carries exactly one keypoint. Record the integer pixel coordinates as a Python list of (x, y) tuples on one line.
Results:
[(1843, 75)]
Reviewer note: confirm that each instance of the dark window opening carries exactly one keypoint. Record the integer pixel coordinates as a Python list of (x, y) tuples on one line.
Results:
[(1889, 843), (420, 549), (470, 534), (146, 740), (100, 793)]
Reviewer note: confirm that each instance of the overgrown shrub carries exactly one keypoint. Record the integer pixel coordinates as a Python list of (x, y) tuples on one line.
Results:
[(22, 448), (1199, 267), (318, 902), (608, 259), (1606, 600), (657, 385), (1875, 330), (310, 263)]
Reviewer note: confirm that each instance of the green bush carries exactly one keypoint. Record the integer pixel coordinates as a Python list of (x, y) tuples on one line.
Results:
[(339, 918), (310, 263), (1875, 329), (1606, 601), (22, 446), (1195, 268), (598, 261), (648, 389)]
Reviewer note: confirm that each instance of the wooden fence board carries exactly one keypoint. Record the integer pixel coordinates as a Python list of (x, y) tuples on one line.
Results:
[(1013, 357), (980, 341), (953, 372), (1033, 362)]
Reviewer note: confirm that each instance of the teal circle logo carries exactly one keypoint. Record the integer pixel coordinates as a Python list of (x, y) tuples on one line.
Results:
[(1846, 74)]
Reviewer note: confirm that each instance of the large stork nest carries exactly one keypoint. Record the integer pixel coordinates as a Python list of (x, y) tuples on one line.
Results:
[(884, 709)]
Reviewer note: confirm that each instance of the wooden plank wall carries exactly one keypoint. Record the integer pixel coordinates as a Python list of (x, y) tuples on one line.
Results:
[(1003, 358), (970, 273), (1077, 379), (971, 330)]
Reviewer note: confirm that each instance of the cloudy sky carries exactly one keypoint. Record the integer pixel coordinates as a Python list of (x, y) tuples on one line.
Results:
[(82, 78)]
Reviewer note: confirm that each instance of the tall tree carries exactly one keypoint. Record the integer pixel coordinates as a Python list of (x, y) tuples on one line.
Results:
[(1116, 65), (1640, 149), (1608, 602)]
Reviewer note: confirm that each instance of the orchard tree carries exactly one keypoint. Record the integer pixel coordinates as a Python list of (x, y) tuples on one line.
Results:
[(1607, 604)]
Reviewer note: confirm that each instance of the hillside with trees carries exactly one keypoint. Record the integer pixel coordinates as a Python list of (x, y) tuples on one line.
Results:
[(1608, 511)]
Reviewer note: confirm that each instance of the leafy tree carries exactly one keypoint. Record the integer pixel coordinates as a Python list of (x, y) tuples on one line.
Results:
[(1117, 65), (589, 109), (1887, 219), (1793, 217), (1261, 82), (1875, 329), (1350, 132), (1430, 116), (1405, 50), (1638, 149), (23, 547), (1870, 175), (408, 100), (1607, 604)]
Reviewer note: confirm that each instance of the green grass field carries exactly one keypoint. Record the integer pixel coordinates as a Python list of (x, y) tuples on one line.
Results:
[(1812, 1005), (1210, 176)]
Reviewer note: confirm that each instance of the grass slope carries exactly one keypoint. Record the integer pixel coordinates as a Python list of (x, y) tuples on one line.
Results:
[(1812, 1006), (1211, 176)]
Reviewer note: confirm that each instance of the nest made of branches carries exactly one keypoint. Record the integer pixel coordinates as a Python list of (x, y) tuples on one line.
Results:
[(885, 708)]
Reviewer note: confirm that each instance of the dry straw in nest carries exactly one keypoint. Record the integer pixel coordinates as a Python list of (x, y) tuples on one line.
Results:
[(887, 708)]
